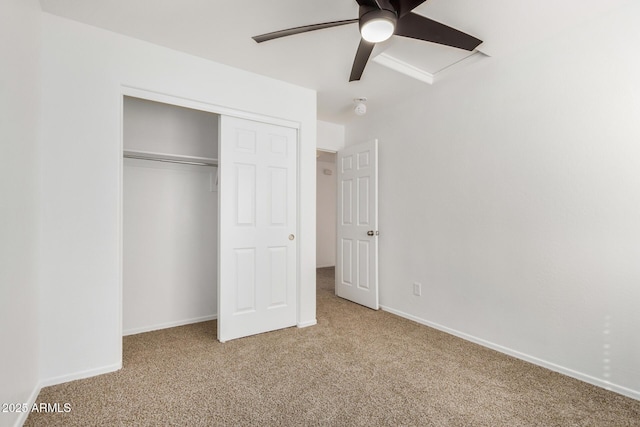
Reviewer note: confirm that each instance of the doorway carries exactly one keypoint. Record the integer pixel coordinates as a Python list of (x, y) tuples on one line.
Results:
[(170, 210), (352, 224), (201, 169), (326, 213)]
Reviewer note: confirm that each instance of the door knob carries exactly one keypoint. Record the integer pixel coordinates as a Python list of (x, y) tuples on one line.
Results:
[(370, 233), (291, 237)]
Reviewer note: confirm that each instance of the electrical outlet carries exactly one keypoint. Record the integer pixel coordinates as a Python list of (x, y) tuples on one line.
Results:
[(417, 289)]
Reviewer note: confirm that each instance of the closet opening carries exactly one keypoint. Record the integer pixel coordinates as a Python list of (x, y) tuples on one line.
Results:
[(169, 214)]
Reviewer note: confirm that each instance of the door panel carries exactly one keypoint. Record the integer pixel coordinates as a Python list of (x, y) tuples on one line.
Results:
[(347, 202), (278, 196), (245, 194), (364, 255), (357, 257), (245, 286), (258, 223), (278, 277), (363, 201)]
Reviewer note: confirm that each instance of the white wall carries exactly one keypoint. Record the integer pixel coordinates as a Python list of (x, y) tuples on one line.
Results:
[(19, 100), (325, 215), (330, 136), (162, 128), (170, 216), (170, 240), (84, 69), (512, 194)]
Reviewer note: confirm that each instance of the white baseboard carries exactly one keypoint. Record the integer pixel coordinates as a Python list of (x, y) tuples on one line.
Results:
[(80, 375), (308, 323), (30, 401), (166, 325), (634, 394)]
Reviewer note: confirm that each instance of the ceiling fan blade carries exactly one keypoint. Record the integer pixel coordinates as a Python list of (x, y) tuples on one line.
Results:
[(362, 56), (405, 6), (299, 30), (418, 27), (371, 3)]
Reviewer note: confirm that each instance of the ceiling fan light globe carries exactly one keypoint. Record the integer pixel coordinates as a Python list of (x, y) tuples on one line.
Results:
[(377, 25), (377, 30)]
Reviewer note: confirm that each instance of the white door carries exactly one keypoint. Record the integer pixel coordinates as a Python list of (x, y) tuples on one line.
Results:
[(257, 226), (357, 226)]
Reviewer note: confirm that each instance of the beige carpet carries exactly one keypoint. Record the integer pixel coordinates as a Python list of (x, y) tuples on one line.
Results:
[(356, 367)]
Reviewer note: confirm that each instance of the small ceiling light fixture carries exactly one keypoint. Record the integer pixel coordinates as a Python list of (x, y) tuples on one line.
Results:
[(360, 108), (377, 25)]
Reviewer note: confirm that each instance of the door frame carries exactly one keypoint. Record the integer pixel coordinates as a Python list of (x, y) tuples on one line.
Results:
[(178, 101), (336, 150)]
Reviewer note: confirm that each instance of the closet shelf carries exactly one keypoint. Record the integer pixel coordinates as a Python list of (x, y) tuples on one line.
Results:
[(171, 158)]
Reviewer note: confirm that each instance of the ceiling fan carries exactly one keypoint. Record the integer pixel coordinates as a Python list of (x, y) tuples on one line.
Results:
[(381, 19)]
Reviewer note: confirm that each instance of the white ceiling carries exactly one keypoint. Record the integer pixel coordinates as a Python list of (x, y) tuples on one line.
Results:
[(321, 60)]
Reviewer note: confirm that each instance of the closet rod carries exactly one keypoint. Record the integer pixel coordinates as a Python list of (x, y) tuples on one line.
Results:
[(155, 159)]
